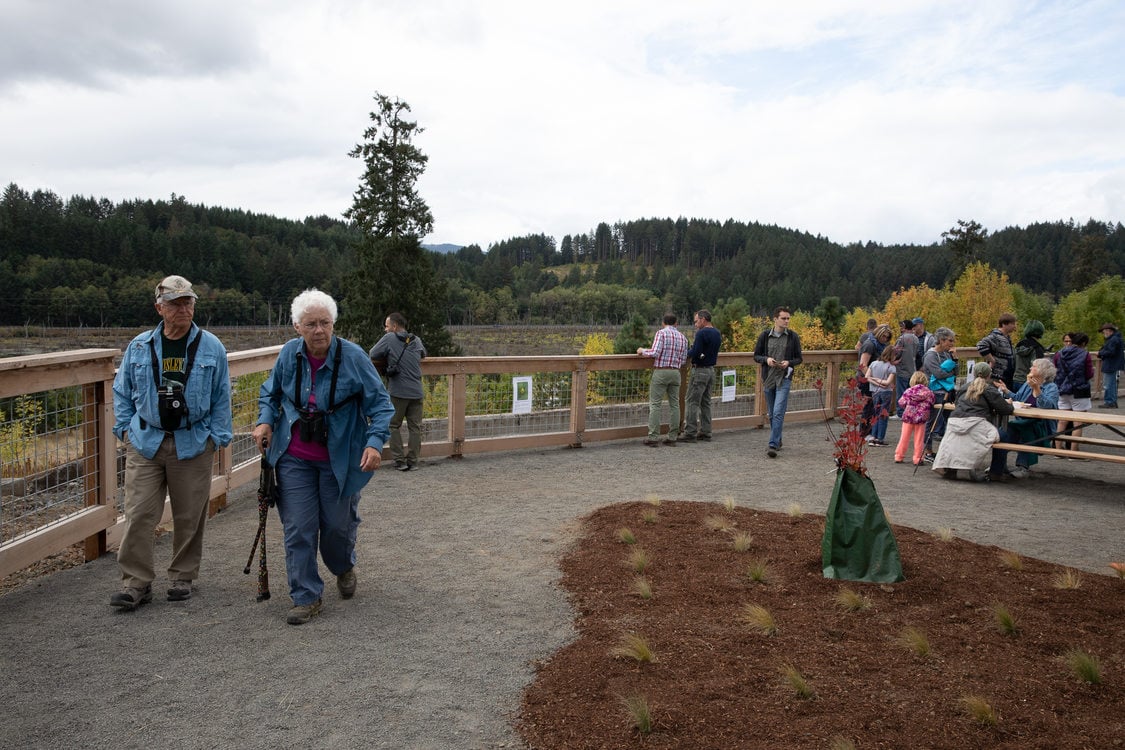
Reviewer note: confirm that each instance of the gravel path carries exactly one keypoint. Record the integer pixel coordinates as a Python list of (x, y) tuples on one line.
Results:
[(456, 596)]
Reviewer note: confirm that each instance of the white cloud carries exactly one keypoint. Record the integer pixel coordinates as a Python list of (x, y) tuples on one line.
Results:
[(859, 121)]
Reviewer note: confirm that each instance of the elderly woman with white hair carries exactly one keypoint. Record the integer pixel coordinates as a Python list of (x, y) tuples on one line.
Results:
[(1038, 391), (970, 433), (323, 417)]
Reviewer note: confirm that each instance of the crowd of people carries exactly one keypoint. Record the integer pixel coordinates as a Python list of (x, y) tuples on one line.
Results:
[(918, 372), (325, 416)]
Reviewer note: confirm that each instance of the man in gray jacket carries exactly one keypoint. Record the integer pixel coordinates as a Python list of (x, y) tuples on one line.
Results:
[(399, 355), (997, 349)]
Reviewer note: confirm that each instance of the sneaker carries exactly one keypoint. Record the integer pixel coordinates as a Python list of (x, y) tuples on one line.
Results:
[(772, 451), (302, 613), (346, 583), (404, 466), (131, 597), (651, 443), (669, 443), (704, 437), (898, 460), (688, 439), (399, 464), (180, 591), (929, 457), (894, 418), (1020, 472)]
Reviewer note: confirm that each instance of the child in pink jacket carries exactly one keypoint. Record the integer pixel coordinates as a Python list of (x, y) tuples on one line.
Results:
[(916, 402)]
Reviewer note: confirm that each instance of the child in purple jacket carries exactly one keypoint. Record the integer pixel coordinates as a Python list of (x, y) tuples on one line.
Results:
[(916, 402)]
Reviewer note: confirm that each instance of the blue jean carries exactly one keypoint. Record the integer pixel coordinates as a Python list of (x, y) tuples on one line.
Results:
[(777, 401), (903, 383), (1110, 379), (882, 401), (310, 507)]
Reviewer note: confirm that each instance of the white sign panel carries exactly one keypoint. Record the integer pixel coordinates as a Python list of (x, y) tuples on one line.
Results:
[(729, 383), (521, 395)]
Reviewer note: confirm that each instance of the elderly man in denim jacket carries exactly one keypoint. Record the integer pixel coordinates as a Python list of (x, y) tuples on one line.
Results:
[(171, 401)]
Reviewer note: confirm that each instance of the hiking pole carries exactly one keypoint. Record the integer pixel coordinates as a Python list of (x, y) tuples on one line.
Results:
[(267, 494)]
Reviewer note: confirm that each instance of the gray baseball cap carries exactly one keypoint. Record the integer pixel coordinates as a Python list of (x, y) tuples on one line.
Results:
[(174, 287)]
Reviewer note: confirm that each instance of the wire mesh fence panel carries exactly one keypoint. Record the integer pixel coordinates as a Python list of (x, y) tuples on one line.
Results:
[(617, 398), (244, 412), (492, 401), (742, 380), (45, 473)]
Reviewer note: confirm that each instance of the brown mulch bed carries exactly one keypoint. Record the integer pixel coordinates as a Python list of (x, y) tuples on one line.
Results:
[(717, 684)]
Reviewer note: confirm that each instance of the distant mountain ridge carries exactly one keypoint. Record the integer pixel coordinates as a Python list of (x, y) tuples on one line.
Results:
[(444, 247)]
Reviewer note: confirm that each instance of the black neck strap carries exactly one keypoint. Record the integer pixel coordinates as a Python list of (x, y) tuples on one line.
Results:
[(157, 371), (335, 373)]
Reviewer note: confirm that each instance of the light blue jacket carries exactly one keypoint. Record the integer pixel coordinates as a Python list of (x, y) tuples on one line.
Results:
[(135, 404), (357, 424)]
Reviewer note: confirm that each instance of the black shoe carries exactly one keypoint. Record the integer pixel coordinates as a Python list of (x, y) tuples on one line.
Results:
[(771, 451), (688, 439), (669, 443), (929, 457), (399, 463), (180, 591), (346, 583), (704, 437), (130, 598), (651, 443), (405, 467)]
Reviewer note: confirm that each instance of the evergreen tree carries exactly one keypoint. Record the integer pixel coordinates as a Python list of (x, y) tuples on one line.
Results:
[(394, 273), (966, 241)]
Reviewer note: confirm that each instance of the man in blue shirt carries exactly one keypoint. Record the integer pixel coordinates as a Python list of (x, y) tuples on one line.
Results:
[(171, 403), (703, 355)]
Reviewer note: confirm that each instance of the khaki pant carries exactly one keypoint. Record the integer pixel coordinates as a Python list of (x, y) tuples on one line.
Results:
[(188, 484)]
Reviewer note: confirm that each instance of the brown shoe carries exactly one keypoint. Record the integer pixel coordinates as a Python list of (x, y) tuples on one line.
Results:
[(346, 583), (302, 613)]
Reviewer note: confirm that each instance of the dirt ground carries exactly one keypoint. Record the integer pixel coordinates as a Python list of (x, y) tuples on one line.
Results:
[(460, 612)]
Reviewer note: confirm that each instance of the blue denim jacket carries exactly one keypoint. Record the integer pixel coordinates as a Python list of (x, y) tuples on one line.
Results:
[(207, 394), (357, 424)]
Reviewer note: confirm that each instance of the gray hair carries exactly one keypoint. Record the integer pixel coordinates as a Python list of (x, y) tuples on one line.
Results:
[(312, 298), (1046, 368), (944, 334)]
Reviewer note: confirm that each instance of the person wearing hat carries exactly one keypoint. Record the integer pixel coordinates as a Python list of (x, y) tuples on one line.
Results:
[(970, 433), (1112, 358), (172, 409)]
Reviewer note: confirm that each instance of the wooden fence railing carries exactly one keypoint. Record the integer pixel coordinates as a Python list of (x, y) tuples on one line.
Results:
[(90, 485)]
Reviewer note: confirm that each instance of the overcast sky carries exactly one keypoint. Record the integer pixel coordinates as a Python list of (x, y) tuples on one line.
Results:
[(883, 120)]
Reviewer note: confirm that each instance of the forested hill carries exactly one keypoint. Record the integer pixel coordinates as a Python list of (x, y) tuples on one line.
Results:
[(92, 262)]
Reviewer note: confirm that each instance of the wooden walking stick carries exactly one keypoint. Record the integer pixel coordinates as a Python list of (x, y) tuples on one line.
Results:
[(267, 496)]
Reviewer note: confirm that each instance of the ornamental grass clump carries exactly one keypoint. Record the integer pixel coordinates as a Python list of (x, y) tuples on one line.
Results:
[(642, 587), (944, 534), (653, 500), (650, 516), (638, 559), (1005, 622), (728, 504), (797, 682), (1011, 560), (718, 523), (979, 710), (742, 541), (640, 715), (1084, 666), (916, 641), (759, 618), (758, 571), (852, 601), (626, 536), (1069, 579), (839, 742), (795, 510), (633, 646)]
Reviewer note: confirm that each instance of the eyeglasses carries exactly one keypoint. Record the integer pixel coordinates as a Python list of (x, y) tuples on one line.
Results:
[(312, 325)]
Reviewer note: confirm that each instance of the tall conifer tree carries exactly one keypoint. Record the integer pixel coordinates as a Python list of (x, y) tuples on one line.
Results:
[(393, 271)]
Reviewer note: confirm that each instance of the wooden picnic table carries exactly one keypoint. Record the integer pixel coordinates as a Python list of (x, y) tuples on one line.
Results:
[(1114, 422)]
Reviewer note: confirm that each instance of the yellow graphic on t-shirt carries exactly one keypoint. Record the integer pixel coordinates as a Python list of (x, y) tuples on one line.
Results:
[(173, 364)]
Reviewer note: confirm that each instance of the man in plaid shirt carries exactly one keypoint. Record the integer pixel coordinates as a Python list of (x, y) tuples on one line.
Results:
[(668, 351)]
